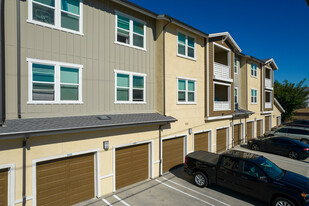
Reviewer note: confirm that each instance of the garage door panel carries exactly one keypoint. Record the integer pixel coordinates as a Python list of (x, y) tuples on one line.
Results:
[(259, 127), (201, 141), (221, 139), (4, 187), (237, 134), (65, 177), (132, 165), (249, 130), (267, 124), (173, 153)]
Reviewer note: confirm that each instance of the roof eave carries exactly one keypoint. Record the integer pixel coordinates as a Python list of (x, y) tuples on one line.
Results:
[(273, 61), (229, 37), (137, 8), (280, 107)]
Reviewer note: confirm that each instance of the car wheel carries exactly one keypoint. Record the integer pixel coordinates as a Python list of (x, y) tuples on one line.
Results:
[(305, 141), (255, 147), (281, 201), (293, 155), (200, 179)]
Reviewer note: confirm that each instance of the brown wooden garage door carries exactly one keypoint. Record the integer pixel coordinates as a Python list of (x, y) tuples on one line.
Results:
[(221, 140), (201, 141), (249, 130), (278, 121), (259, 128), (131, 165), (172, 153), (4, 187), (267, 124), (65, 181), (237, 134)]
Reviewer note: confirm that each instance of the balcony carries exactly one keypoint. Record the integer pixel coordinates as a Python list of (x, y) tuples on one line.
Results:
[(221, 71), (268, 83), (268, 105), (222, 105)]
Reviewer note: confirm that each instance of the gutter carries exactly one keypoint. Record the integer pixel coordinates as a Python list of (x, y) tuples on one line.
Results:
[(18, 61), (2, 66), (164, 99)]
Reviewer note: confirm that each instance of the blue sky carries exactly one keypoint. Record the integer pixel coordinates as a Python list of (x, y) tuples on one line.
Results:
[(276, 29)]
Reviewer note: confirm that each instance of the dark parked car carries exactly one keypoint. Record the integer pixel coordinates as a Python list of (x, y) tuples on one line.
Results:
[(281, 146), (298, 123), (250, 174)]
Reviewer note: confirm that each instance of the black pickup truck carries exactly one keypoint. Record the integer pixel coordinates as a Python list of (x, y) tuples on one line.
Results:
[(250, 174)]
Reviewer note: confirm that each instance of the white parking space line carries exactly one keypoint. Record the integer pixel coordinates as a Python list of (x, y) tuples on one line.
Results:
[(196, 192), (123, 202), (185, 193), (104, 200)]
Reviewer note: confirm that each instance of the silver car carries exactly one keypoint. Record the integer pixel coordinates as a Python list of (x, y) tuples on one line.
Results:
[(298, 133)]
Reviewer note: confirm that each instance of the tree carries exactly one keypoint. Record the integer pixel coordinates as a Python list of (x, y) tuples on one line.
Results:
[(291, 96)]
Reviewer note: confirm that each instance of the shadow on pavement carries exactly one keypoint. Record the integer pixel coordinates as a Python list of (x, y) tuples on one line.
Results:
[(179, 172)]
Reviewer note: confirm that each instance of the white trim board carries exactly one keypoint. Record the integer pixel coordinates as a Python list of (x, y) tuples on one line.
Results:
[(150, 158), (11, 182), (96, 170)]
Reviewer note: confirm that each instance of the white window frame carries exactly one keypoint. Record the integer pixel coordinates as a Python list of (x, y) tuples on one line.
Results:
[(236, 65), (57, 17), (130, 31), (253, 70), (252, 102), (131, 74), (236, 88), (57, 83), (186, 91), (186, 46)]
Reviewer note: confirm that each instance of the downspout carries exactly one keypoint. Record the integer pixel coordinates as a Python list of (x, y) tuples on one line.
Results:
[(247, 85), (164, 27), (24, 170), (2, 65), (160, 150), (18, 60)]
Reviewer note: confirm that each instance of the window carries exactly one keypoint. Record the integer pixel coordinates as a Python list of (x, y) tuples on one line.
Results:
[(186, 91), (235, 94), (186, 46), (130, 31), (253, 96), (252, 170), (59, 14), (230, 163), (130, 87), (54, 82), (235, 65), (254, 70)]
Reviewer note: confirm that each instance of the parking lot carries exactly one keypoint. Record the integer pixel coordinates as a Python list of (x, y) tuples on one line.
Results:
[(177, 188)]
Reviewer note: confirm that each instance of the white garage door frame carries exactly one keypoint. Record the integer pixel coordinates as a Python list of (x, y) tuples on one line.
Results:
[(97, 186), (150, 159), (11, 182)]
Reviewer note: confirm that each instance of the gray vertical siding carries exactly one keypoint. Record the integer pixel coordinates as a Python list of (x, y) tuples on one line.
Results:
[(95, 50)]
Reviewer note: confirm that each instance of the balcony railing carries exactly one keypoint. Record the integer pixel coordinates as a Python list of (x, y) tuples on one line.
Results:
[(222, 71), (268, 83), (222, 105), (267, 105)]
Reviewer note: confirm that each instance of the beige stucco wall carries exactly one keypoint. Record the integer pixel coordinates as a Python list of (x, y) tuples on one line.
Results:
[(53, 146), (254, 83), (276, 113)]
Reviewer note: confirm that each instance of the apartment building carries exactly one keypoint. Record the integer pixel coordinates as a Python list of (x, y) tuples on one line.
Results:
[(109, 93)]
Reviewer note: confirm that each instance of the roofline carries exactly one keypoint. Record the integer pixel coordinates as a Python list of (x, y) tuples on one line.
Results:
[(227, 34), (23, 134), (251, 57), (137, 8), (272, 60), (276, 101), (182, 24)]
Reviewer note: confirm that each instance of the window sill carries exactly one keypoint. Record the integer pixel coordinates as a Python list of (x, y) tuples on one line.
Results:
[(130, 102), (186, 103), (220, 110), (253, 103), (186, 57), (53, 103), (254, 76), (131, 46), (54, 27)]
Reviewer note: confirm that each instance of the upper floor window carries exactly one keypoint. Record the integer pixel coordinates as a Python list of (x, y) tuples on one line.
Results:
[(186, 46), (130, 31), (60, 14), (130, 87), (235, 94), (253, 96), (54, 82), (186, 91), (235, 65), (254, 70)]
